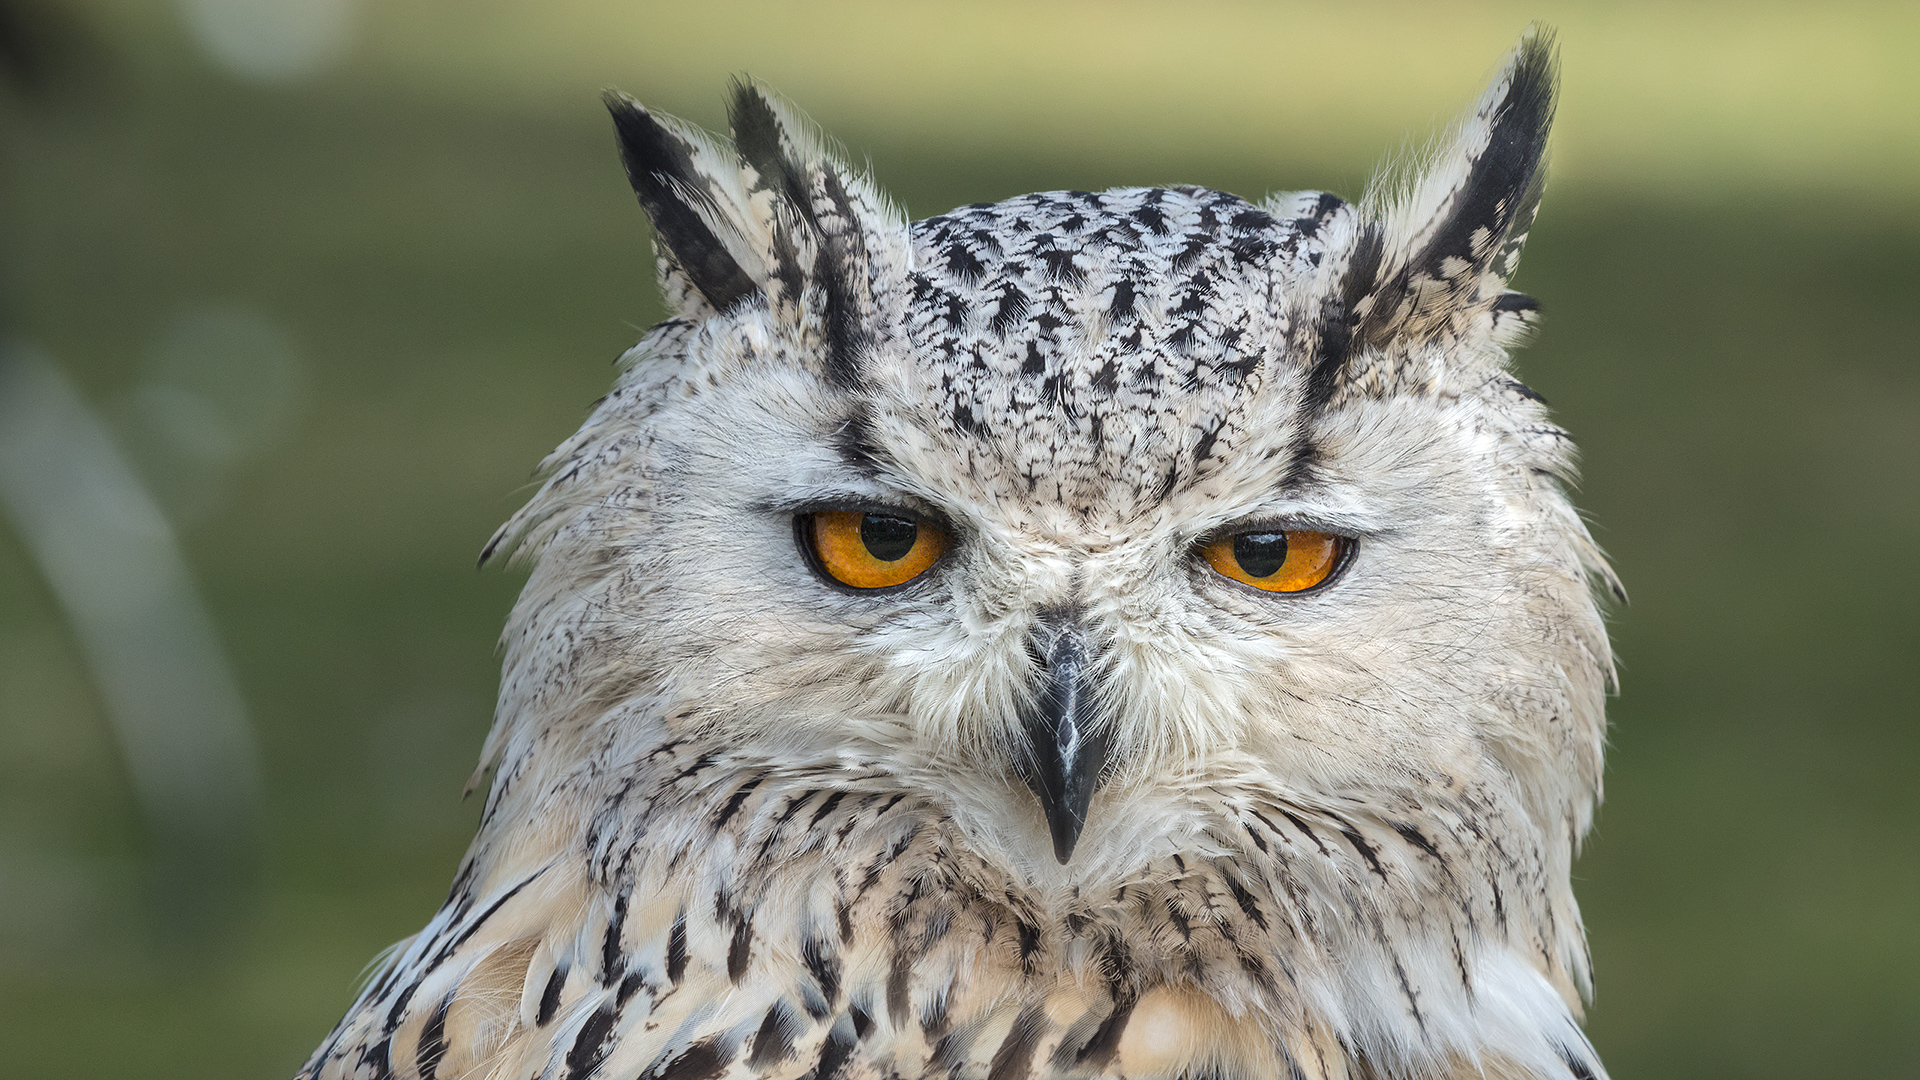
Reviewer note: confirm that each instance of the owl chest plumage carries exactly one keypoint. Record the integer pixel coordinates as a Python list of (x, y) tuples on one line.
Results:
[(712, 919)]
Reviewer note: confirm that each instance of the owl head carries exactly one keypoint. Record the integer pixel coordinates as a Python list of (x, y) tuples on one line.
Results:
[(1080, 517)]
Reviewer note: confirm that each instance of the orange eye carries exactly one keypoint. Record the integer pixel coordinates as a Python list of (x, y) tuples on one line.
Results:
[(871, 550), (1280, 560)]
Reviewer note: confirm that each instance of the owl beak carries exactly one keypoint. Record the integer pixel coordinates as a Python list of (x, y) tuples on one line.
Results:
[(1066, 751)]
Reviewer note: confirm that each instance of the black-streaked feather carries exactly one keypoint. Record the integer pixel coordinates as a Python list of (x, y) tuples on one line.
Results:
[(661, 169)]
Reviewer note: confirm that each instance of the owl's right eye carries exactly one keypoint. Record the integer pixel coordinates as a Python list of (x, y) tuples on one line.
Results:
[(869, 549), (1278, 560)]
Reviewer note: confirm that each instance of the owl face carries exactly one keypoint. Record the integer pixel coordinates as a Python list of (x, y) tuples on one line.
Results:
[(1080, 515)]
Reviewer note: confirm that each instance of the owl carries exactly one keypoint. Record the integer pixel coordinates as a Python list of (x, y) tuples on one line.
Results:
[(1130, 634)]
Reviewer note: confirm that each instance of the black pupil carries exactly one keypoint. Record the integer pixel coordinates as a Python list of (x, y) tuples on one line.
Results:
[(888, 538), (1260, 554)]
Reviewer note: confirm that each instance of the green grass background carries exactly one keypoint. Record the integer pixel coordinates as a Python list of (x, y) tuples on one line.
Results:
[(1729, 256)]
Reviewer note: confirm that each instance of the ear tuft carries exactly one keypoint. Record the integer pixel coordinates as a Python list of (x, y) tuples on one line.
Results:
[(1450, 239), (767, 144), (827, 246), (679, 196), (772, 218)]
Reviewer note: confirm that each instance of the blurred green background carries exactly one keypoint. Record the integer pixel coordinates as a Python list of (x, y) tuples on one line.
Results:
[(389, 248)]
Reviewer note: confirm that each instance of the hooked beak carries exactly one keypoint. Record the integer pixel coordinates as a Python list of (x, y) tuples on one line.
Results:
[(1065, 753)]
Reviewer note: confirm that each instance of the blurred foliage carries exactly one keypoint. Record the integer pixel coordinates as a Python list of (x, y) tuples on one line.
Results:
[(437, 226)]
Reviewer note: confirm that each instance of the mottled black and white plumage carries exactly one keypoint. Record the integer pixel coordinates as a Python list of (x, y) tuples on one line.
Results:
[(1070, 801)]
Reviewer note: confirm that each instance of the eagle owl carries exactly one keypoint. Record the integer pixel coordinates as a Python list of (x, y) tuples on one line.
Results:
[(1128, 634)]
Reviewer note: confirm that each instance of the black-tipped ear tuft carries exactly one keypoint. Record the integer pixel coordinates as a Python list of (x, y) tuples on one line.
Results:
[(1454, 236), (672, 191), (769, 218), (806, 182), (1496, 203), (761, 141), (764, 144)]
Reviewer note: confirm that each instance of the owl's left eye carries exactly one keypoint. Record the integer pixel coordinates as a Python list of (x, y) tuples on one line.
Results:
[(1278, 560), (870, 549)]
